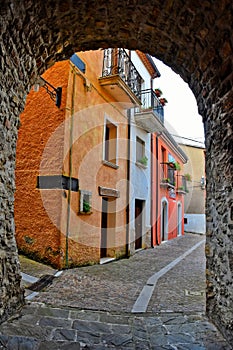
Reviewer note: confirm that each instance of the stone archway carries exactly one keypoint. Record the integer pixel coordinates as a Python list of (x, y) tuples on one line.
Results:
[(193, 38)]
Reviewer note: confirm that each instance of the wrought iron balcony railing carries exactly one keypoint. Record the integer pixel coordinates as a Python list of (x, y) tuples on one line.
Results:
[(150, 101), (117, 62), (181, 183), (167, 174)]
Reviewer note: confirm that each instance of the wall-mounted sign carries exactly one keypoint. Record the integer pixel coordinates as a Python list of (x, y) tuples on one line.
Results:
[(172, 193), (108, 192)]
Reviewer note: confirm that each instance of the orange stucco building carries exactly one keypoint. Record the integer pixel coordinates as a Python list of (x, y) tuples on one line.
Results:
[(71, 173)]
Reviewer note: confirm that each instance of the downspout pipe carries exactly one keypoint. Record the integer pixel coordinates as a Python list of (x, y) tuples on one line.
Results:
[(71, 125), (157, 187), (155, 183), (152, 187), (128, 184)]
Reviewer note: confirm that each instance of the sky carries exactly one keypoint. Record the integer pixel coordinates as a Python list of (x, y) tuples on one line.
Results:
[(180, 113)]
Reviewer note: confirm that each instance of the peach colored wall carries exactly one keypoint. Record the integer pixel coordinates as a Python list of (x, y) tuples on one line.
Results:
[(87, 156)]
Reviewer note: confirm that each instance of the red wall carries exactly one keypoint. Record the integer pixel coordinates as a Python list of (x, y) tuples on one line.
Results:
[(162, 192)]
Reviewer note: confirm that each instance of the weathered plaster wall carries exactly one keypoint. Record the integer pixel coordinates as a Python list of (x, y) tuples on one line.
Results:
[(37, 229), (194, 38)]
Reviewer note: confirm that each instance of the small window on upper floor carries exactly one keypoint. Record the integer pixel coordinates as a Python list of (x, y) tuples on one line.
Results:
[(140, 152), (110, 144)]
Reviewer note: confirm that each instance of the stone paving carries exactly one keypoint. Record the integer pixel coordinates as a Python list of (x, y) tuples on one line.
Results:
[(90, 307)]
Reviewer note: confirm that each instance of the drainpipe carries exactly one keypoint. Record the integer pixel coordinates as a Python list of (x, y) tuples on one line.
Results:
[(157, 185), (70, 171), (157, 188), (152, 186), (128, 184)]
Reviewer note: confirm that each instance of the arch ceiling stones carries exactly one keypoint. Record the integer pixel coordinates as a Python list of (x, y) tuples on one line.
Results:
[(193, 37)]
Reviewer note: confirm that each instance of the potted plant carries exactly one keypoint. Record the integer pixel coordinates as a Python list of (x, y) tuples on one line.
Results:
[(177, 166), (166, 180), (86, 207), (143, 160), (163, 101), (188, 177), (158, 92)]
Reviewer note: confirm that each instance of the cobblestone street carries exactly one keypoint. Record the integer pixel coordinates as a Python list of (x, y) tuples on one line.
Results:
[(95, 307)]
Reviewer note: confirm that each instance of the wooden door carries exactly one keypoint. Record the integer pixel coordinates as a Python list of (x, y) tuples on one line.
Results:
[(138, 223)]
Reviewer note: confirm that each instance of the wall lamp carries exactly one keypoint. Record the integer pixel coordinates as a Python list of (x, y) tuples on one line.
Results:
[(203, 183), (54, 93)]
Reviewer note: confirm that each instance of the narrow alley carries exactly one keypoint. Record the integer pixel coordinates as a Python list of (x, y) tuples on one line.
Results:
[(153, 300)]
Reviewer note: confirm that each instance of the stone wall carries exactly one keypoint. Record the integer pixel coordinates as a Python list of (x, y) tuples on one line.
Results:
[(194, 38)]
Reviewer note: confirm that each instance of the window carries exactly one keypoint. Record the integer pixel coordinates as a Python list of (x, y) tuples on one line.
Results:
[(85, 201), (163, 155), (140, 152), (110, 143)]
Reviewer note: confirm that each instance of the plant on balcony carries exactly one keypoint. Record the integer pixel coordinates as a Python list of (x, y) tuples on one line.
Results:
[(143, 160), (163, 101), (158, 92), (166, 180), (177, 166), (188, 177)]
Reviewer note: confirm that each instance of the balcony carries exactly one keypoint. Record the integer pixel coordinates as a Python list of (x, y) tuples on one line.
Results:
[(120, 78), (181, 184), (167, 175), (150, 115)]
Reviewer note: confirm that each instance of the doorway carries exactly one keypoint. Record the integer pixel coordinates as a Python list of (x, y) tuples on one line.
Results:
[(138, 223), (164, 220), (179, 219), (108, 223)]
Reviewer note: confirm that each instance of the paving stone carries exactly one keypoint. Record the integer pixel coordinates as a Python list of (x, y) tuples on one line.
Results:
[(158, 339), (157, 329), (23, 330), (53, 312), (52, 345), (173, 319), (182, 328), (117, 340), (114, 319), (192, 346), (141, 345), (180, 338), (85, 315), (217, 346), (151, 321), (88, 338), (19, 343), (165, 347), (139, 333), (64, 334), (121, 329), (92, 327), (54, 322)]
